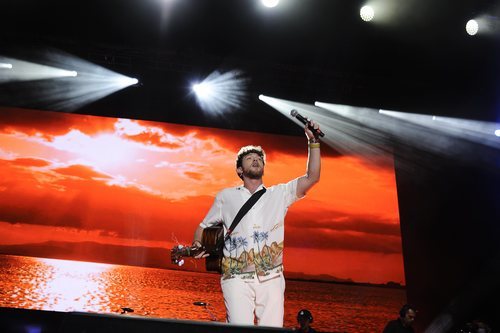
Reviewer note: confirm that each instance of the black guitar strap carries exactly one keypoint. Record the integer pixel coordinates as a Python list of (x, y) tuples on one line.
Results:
[(243, 210)]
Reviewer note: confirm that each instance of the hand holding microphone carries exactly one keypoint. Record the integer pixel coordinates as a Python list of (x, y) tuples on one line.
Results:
[(316, 131)]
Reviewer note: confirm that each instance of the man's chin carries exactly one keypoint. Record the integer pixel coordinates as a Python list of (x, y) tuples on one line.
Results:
[(254, 175)]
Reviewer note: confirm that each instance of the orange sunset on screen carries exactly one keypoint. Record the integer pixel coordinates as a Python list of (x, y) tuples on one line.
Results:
[(76, 179)]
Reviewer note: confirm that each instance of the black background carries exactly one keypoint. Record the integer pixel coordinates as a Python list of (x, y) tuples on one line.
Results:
[(306, 51)]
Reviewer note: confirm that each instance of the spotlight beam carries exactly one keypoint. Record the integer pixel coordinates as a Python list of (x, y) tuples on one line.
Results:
[(342, 134), (29, 71), (61, 89), (481, 132), (441, 136), (221, 93), (371, 133)]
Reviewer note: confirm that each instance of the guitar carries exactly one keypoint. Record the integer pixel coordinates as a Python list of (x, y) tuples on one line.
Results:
[(212, 242)]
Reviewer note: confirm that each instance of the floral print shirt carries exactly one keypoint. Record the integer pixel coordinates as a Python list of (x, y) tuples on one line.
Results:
[(255, 248)]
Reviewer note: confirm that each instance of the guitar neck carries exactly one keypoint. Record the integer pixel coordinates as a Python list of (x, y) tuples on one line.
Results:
[(190, 251), (212, 240), (179, 251)]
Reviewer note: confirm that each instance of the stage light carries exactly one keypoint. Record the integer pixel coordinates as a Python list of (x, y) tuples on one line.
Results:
[(472, 27), (203, 90), (484, 25), (367, 13), (126, 81), (29, 71), (62, 82), (221, 92), (370, 133), (270, 3), (471, 130), (64, 73)]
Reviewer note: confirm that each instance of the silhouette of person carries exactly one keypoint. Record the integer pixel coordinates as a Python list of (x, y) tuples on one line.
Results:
[(305, 319), (404, 323)]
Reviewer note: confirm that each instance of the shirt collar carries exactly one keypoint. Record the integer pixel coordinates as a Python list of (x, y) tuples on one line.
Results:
[(243, 188)]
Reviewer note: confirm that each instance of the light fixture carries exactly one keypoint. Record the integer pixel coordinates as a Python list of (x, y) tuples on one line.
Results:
[(367, 13), (221, 92), (472, 27), (270, 3), (203, 90)]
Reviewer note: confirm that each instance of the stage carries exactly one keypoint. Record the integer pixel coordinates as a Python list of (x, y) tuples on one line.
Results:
[(38, 321)]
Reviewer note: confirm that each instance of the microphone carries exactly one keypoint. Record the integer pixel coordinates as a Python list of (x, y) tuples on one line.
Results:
[(304, 121), (200, 303)]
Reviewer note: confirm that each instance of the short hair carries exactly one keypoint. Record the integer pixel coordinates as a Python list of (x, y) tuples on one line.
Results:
[(248, 150), (404, 310), (306, 314)]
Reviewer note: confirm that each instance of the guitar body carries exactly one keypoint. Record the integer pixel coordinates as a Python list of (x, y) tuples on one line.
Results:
[(212, 241)]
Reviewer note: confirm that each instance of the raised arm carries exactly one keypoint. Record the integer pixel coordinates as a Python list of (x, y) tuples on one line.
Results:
[(313, 170)]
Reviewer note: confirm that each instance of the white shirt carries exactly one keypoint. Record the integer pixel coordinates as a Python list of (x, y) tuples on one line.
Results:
[(255, 248)]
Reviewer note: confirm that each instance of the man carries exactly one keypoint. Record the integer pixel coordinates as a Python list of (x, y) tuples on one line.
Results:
[(405, 321), (252, 267), (305, 319)]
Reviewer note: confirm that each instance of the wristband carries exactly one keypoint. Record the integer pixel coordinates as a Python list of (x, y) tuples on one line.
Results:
[(314, 145)]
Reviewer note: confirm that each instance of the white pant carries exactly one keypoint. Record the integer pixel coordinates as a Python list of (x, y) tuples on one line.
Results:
[(244, 298)]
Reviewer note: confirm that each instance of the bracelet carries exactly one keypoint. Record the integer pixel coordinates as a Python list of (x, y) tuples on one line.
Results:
[(313, 140), (314, 145)]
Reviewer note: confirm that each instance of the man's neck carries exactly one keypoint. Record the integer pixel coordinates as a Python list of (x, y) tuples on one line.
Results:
[(252, 184)]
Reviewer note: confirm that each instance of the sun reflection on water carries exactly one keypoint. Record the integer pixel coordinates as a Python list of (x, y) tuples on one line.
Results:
[(66, 285), (62, 285)]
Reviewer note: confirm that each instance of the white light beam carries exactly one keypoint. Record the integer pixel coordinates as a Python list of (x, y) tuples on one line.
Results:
[(221, 93)]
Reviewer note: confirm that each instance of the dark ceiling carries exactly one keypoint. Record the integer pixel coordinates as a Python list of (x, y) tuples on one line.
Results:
[(302, 50)]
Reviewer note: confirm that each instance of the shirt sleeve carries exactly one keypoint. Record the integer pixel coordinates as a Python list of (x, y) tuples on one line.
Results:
[(214, 215), (290, 192)]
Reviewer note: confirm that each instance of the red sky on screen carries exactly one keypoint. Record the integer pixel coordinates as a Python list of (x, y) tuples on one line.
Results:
[(75, 178)]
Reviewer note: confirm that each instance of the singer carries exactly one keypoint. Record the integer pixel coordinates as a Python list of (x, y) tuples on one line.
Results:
[(252, 278)]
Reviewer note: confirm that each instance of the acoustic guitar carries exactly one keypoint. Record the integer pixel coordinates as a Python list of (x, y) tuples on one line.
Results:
[(212, 242)]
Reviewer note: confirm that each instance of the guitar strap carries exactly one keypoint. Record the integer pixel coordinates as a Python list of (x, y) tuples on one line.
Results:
[(243, 210)]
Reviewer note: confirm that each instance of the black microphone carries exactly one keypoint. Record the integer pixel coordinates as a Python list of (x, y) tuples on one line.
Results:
[(304, 121), (200, 303)]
